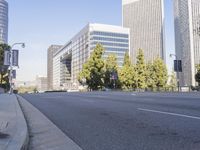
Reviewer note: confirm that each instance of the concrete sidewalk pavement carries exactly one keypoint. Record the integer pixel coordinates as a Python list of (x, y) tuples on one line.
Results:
[(44, 135), (13, 128)]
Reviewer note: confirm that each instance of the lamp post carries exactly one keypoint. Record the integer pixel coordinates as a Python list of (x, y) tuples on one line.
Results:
[(177, 72), (11, 65)]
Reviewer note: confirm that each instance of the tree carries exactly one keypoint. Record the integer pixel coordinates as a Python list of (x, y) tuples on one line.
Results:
[(160, 70), (4, 81), (111, 70), (198, 67), (150, 76), (127, 75), (93, 69), (141, 70), (173, 81), (197, 76)]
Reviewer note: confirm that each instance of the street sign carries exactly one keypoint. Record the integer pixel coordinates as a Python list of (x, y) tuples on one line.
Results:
[(15, 58), (6, 58), (14, 74), (178, 66), (114, 75)]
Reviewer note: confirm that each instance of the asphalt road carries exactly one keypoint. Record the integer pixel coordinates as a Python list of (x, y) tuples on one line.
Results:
[(125, 121)]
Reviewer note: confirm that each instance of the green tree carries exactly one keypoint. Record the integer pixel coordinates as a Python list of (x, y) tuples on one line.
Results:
[(4, 81), (198, 67), (127, 74), (141, 70), (173, 81), (160, 70), (150, 76), (197, 76), (93, 70), (111, 69)]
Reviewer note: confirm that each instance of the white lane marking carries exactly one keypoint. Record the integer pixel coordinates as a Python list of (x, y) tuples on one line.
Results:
[(53, 97), (97, 96), (169, 113), (133, 94)]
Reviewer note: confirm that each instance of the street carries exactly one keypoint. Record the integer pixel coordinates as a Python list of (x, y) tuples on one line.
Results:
[(124, 121)]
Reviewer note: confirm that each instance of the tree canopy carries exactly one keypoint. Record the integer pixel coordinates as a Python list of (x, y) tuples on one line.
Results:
[(111, 71), (197, 76), (93, 69), (127, 74), (4, 80), (141, 70)]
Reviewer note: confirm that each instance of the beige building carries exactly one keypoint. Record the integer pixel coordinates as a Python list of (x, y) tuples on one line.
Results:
[(50, 52), (145, 18), (3, 21), (187, 38)]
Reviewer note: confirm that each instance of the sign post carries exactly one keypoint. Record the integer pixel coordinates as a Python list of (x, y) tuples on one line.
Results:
[(14, 54)]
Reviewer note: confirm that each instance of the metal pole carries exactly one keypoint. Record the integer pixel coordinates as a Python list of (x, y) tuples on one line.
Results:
[(11, 69), (178, 83), (11, 65)]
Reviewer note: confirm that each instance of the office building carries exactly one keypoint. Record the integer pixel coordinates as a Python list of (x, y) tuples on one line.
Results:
[(50, 52), (69, 60), (145, 18), (3, 21), (187, 38)]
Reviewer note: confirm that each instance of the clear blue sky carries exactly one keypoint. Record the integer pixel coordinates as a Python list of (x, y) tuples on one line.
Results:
[(40, 23)]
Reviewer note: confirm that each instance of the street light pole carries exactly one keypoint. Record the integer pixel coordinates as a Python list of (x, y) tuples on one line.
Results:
[(11, 65), (178, 83)]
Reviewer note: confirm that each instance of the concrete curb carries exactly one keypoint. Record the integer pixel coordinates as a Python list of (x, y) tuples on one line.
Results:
[(20, 139), (44, 135)]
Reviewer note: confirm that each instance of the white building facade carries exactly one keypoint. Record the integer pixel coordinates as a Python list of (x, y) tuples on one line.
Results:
[(187, 38), (69, 60), (145, 18)]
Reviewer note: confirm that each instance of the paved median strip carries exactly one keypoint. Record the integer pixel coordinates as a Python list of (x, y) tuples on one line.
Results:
[(170, 113)]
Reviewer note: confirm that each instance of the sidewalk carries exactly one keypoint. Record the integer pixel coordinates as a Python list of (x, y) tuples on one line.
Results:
[(44, 135), (13, 128)]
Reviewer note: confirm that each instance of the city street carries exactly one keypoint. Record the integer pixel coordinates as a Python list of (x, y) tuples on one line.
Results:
[(124, 121)]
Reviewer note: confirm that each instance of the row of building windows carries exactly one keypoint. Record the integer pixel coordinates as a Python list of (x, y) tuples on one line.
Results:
[(109, 34), (110, 44), (117, 54), (113, 49), (109, 39)]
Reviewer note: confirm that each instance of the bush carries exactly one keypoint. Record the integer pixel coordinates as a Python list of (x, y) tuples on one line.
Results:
[(195, 88)]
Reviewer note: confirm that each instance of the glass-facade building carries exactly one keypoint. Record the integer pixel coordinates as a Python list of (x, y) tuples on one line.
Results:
[(69, 60), (3, 21)]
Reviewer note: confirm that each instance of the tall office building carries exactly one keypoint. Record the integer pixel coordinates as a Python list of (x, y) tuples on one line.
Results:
[(50, 52), (3, 21), (187, 38), (145, 18), (69, 60)]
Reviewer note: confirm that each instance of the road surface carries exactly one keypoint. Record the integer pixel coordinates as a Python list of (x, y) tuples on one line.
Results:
[(125, 121)]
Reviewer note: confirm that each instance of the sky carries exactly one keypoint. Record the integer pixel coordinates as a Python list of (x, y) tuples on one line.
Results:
[(41, 23)]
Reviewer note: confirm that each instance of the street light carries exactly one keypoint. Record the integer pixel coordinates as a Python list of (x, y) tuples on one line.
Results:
[(11, 64), (177, 72)]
